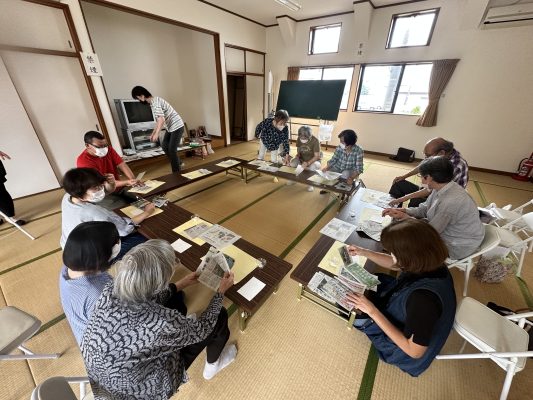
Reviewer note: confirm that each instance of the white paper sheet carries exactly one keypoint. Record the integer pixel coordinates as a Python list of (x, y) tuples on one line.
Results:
[(180, 245), (251, 288)]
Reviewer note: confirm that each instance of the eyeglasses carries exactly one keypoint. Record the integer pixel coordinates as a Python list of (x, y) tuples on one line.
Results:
[(99, 147)]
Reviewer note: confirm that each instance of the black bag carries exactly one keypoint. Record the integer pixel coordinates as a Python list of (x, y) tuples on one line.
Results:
[(404, 155)]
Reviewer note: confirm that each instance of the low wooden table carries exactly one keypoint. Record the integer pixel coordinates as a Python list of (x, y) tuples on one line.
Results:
[(309, 265), (161, 227), (177, 180), (344, 195)]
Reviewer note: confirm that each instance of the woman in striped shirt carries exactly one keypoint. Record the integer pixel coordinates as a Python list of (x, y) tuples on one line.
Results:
[(165, 116)]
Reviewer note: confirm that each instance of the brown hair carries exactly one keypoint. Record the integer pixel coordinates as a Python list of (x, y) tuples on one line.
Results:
[(417, 246)]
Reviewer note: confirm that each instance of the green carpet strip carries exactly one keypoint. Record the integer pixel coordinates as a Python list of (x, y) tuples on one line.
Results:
[(201, 190), (51, 323), (293, 244), (481, 194), (369, 375), (250, 204), (525, 292), (28, 261)]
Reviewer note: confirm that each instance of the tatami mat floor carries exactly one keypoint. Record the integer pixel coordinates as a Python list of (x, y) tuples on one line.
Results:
[(290, 349)]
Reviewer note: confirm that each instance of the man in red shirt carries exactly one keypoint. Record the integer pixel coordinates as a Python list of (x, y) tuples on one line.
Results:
[(103, 158)]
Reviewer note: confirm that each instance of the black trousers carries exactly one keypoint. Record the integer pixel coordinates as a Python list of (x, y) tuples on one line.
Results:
[(402, 188), (6, 202), (169, 146), (214, 343)]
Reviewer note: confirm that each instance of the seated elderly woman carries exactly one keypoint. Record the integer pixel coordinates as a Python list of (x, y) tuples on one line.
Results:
[(449, 209), (307, 151), (409, 319), (136, 348), (86, 187)]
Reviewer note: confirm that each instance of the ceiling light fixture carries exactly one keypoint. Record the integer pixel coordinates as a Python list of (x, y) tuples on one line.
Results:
[(290, 4)]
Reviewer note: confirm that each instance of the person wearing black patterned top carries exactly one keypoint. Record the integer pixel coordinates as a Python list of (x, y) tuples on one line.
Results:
[(273, 133), (134, 347)]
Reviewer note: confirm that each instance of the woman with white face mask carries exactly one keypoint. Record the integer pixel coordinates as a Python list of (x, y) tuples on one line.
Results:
[(273, 133), (347, 158), (307, 152), (85, 188)]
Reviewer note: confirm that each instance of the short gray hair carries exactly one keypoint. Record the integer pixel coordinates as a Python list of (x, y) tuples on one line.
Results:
[(305, 131), (144, 271)]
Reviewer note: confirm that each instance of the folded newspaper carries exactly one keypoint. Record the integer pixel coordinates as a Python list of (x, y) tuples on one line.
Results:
[(351, 279), (213, 267)]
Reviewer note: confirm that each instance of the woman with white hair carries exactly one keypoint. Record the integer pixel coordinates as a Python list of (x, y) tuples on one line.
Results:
[(307, 151), (134, 347)]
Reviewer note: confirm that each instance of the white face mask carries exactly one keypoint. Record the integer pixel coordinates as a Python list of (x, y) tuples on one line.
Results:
[(101, 151), (304, 140), (342, 146), (394, 259), (96, 197), (424, 186), (280, 127), (115, 250)]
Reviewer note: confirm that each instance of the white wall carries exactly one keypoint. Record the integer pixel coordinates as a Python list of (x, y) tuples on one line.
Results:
[(487, 108), (232, 30), (172, 62)]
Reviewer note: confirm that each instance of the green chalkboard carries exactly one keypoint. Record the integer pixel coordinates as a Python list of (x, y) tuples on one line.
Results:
[(311, 99)]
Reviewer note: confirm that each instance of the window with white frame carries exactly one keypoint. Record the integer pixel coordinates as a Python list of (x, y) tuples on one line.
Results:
[(412, 29), (400, 88), (324, 39), (330, 73)]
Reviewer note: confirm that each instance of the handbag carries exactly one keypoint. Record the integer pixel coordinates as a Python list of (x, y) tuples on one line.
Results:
[(492, 270), (404, 155)]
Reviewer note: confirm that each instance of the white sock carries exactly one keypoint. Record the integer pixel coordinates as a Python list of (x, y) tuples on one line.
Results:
[(226, 358)]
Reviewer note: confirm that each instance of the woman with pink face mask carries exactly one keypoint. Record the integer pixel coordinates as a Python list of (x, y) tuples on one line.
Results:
[(85, 188), (273, 133)]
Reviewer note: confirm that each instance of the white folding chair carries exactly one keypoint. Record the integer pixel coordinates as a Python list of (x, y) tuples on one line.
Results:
[(58, 388), (496, 336), (506, 214), (490, 241), (517, 236), (16, 327)]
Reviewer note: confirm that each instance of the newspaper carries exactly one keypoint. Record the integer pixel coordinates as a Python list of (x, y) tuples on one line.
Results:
[(212, 268), (338, 229), (330, 289), (219, 237), (268, 168), (379, 199), (194, 231), (228, 163), (259, 162), (361, 275), (328, 175)]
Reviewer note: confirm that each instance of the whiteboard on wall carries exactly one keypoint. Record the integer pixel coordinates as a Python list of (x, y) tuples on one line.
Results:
[(28, 171)]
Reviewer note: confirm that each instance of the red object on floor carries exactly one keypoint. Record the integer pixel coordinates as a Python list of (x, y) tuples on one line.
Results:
[(524, 169)]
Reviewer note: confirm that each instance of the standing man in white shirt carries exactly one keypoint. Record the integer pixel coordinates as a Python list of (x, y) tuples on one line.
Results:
[(166, 117)]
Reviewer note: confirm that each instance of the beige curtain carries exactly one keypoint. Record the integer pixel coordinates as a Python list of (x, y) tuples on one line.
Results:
[(440, 75), (293, 73)]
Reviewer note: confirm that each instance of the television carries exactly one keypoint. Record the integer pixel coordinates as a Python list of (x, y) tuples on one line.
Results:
[(311, 99), (134, 115)]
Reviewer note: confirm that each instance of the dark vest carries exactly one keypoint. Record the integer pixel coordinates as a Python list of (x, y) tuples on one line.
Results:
[(395, 310), (2, 172)]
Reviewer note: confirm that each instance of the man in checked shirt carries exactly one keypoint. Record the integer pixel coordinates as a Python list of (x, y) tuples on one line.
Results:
[(403, 190)]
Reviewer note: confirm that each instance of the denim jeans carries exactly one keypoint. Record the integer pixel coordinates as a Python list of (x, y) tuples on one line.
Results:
[(170, 145)]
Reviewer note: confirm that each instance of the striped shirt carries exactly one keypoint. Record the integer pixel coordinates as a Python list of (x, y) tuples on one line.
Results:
[(161, 108), (78, 297), (344, 161)]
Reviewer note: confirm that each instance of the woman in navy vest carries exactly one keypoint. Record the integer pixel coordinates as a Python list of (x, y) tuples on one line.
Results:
[(410, 317)]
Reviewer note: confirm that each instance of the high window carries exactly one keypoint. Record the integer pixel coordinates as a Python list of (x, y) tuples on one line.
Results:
[(329, 73), (394, 88), (324, 39), (412, 29)]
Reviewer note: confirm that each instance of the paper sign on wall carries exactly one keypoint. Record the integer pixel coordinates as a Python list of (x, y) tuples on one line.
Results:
[(91, 63)]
